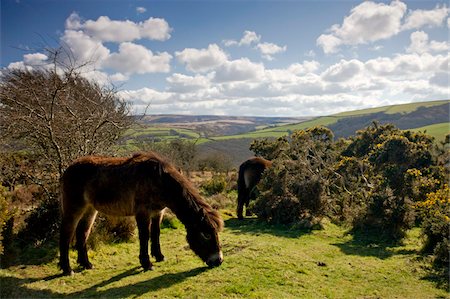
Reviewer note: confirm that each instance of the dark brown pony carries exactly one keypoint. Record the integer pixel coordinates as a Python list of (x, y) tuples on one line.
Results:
[(141, 186), (249, 175)]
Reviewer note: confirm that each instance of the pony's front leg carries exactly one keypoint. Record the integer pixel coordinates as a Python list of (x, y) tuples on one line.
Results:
[(155, 233), (143, 224)]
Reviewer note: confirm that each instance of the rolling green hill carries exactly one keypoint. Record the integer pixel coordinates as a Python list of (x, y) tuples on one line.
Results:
[(232, 135), (406, 116)]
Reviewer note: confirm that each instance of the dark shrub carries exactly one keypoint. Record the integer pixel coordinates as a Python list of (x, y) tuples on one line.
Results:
[(42, 224), (215, 185), (387, 215)]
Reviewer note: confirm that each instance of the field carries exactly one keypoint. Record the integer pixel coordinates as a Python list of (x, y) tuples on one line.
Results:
[(405, 116), (261, 261)]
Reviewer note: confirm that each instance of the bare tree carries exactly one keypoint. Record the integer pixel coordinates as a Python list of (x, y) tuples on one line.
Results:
[(59, 113)]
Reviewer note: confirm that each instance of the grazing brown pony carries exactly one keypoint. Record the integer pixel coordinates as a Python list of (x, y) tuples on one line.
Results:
[(249, 175), (141, 186)]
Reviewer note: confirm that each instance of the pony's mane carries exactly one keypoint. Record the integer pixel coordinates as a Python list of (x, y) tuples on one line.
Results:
[(190, 193)]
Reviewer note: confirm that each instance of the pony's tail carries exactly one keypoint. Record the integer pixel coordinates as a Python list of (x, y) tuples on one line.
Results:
[(242, 192)]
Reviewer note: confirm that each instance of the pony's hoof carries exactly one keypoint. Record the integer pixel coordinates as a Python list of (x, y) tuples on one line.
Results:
[(159, 258), (68, 272), (150, 268)]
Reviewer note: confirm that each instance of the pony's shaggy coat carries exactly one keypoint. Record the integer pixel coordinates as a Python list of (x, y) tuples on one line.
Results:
[(142, 186)]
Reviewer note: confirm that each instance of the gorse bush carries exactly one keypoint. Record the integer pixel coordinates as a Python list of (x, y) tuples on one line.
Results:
[(217, 184), (369, 181), (6, 218), (292, 190), (435, 214), (385, 215)]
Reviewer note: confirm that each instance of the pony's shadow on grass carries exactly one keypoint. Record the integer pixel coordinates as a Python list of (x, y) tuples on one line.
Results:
[(13, 287), (257, 227), (368, 244), (138, 289), (24, 254)]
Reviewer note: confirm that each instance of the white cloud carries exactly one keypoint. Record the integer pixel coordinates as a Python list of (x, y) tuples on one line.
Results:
[(146, 96), (119, 77), (133, 58), (304, 68), (84, 48), (420, 44), (329, 43), (248, 38), (155, 29), (202, 60), (34, 59), (343, 71), (106, 30), (420, 18), (406, 66), (73, 22), (183, 83), (239, 70), (367, 22), (140, 9), (269, 49)]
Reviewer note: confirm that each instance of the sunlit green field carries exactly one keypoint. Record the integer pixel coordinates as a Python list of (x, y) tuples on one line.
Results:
[(438, 131), (261, 261)]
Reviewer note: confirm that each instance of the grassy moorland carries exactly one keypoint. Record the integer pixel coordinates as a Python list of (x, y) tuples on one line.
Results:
[(405, 116), (261, 261)]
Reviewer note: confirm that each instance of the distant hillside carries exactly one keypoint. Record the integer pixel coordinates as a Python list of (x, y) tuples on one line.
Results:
[(407, 116), (215, 125), (232, 135)]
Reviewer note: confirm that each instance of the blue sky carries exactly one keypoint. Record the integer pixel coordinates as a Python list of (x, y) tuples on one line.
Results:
[(265, 58)]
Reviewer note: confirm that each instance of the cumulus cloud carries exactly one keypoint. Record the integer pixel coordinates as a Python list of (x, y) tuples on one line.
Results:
[(145, 96), (366, 23), (269, 49), (106, 30), (420, 44), (132, 58), (202, 60), (85, 48), (239, 70), (420, 18), (183, 83), (248, 38), (343, 71), (30, 61), (370, 22)]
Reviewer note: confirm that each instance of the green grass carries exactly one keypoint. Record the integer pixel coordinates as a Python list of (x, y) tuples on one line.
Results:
[(438, 131), (282, 130), (261, 261), (392, 109)]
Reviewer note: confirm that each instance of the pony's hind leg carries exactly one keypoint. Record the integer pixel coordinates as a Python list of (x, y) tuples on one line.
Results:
[(143, 224), (154, 235), (82, 234), (69, 222)]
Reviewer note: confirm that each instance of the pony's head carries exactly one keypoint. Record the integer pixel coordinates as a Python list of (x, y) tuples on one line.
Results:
[(204, 240)]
